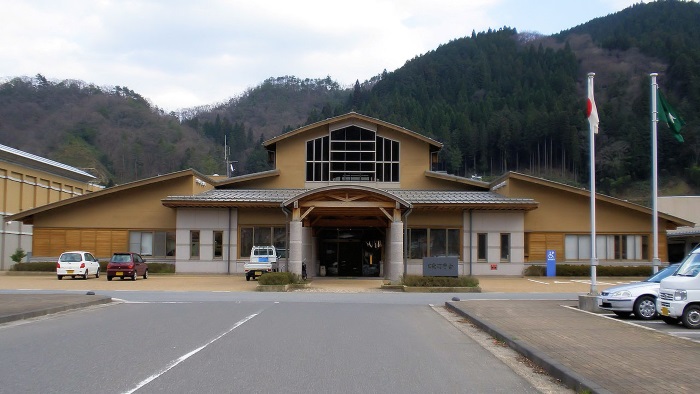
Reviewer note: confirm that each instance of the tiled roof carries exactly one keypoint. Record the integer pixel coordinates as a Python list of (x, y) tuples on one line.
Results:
[(683, 232), (411, 196)]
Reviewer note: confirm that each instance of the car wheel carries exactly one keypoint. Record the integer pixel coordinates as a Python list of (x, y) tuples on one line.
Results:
[(85, 274), (645, 308), (60, 277), (97, 274), (145, 274), (670, 320), (133, 276), (109, 278), (622, 314), (691, 316), (246, 278)]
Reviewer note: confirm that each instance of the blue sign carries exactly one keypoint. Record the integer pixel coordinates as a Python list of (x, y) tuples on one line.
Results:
[(551, 262)]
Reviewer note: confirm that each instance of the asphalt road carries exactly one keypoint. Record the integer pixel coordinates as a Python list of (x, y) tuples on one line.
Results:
[(250, 343)]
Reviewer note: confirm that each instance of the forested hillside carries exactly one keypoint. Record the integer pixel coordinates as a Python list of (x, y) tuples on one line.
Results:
[(499, 100), (504, 101)]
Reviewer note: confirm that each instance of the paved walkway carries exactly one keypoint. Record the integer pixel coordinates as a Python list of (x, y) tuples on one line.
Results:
[(585, 351)]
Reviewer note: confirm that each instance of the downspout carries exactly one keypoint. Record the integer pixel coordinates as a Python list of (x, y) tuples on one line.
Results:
[(471, 237), (228, 253), (286, 236), (404, 219)]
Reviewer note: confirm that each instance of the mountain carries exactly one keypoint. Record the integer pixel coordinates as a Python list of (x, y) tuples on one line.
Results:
[(499, 100)]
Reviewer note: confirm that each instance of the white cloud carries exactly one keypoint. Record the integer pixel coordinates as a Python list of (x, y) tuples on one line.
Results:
[(181, 53)]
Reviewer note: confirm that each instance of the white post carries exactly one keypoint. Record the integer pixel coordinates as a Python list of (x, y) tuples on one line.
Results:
[(594, 258), (654, 180)]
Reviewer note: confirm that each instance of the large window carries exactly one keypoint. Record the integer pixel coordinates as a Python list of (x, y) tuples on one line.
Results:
[(433, 242), (608, 247), (152, 243), (352, 154), (263, 235)]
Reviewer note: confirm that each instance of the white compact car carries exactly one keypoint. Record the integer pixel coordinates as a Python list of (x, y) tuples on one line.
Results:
[(77, 263), (638, 298)]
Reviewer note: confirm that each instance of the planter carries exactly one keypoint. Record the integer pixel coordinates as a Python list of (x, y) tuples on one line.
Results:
[(426, 289)]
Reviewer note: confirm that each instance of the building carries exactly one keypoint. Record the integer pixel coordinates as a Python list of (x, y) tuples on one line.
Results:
[(682, 240), (350, 196), (28, 181)]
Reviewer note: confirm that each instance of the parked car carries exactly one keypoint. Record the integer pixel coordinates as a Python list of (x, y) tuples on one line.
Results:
[(127, 265), (262, 259), (638, 298), (77, 263)]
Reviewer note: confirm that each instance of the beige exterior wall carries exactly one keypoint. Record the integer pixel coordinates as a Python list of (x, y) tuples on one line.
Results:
[(562, 212), (102, 224), (23, 188)]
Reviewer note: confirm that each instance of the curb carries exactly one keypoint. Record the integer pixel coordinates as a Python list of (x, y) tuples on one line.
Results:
[(94, 300), (568, 377)]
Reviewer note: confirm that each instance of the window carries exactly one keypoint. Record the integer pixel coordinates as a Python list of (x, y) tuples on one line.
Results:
[(418, 243), (260, 236), (152, 243), (481, 246), (433, 242), (505, 247), (352, 154), (218, 244), (194, 244), (608, 247)]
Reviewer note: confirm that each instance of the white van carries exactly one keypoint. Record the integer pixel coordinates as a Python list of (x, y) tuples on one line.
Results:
[(679, 294), (262, 259)]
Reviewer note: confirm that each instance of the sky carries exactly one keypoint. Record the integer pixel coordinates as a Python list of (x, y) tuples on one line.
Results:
[(182, 53)]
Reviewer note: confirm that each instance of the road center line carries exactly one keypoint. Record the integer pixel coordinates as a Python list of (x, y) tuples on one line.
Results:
[(184, 357)]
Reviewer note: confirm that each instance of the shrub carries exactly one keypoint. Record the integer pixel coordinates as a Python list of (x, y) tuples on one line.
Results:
[(279, 278), (43, 266), (18, 255), (439, 281), (585, 270)]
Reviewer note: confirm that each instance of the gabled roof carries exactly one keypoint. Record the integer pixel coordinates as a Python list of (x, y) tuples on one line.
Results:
[(349, 116), (459, 179), (16, 156), (248, 177), (585, 192), (24, 215)]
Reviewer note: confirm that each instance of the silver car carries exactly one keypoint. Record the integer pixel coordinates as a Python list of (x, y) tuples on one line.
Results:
[(638, 298)]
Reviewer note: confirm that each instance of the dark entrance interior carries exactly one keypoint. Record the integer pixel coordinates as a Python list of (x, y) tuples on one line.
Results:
[(351, 252)]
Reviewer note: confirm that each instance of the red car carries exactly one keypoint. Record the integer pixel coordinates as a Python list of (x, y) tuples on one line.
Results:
[(127, 265)]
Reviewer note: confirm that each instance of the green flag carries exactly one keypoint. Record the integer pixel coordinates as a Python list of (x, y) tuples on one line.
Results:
[(669, 115)]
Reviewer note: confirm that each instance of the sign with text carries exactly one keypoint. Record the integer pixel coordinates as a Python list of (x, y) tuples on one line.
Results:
[(440, 266), (551, 262)]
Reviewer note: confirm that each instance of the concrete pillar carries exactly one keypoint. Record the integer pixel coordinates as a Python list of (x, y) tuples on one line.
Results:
[(396, 268), (295, 247)]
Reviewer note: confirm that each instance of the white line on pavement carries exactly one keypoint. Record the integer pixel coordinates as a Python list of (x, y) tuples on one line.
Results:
[(188, 355)]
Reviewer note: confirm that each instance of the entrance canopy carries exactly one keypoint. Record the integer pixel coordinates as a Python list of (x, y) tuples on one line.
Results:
[(346, 206)]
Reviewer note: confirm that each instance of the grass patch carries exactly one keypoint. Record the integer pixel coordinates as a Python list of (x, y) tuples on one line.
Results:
[(439, 281)]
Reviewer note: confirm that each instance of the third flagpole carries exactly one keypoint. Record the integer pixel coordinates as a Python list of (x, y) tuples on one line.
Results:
[(654, 181)]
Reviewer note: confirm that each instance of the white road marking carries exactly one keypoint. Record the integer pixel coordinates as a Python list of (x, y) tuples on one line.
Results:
[(537, 281), (184, 357)]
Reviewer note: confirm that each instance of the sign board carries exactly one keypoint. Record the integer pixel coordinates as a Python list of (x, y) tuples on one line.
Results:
[(551, 262), (440, 266)]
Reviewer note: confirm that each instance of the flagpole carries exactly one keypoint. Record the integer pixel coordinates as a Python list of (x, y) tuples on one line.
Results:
[(594, 259), (654, 175)]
